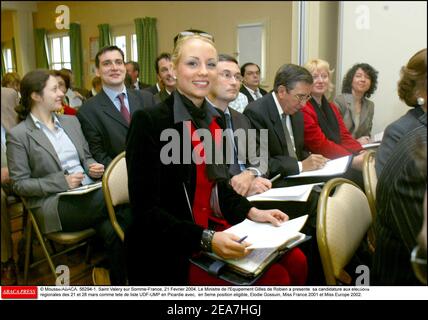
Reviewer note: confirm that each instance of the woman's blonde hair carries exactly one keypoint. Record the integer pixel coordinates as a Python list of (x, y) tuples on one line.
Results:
[(318, 64), (176, 54)]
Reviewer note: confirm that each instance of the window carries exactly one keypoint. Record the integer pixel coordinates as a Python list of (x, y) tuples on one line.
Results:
[(134, 51), (251, 45), (120, 41), (7, 53), (59, 47)]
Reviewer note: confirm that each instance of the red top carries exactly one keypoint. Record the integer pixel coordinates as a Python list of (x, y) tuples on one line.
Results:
[(317, 142), (69, 110), (201, 202)]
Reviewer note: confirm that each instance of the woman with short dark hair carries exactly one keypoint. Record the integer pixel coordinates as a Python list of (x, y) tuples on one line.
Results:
[(359, 83)]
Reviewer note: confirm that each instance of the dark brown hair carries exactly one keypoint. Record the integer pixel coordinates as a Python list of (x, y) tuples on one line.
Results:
[(349, 77), (33, 81)]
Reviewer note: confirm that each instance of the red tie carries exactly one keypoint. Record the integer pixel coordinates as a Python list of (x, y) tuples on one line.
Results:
[(123, 110)]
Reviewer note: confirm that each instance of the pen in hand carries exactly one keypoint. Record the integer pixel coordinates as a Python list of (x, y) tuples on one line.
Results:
[(275, 178), (242, 239)]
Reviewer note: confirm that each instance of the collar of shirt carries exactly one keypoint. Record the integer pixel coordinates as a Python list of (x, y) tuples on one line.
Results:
[(136, 84), (251, 91), (112, 94), (181, 112), (159, 89), (226, 111), (278, 106), (39, 124)]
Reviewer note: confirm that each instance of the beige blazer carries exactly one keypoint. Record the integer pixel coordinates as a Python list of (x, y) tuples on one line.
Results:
[(35, 169), (345, 103)]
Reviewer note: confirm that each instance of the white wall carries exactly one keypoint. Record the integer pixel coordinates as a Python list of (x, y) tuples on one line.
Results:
[(385, 35)]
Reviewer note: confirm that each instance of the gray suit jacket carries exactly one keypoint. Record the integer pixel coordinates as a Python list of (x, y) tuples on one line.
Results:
[(345, 102), (393, 134), (35, 169)]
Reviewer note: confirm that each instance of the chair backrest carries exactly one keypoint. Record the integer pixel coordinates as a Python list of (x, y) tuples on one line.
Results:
[(370, 183), (342, 222), (370, 179), (115, 188)]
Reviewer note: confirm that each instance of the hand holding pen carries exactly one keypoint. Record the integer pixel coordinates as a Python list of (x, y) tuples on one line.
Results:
[(73, 180)]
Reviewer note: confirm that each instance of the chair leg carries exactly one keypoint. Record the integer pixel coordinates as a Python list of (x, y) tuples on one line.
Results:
[(43, 245), (27, 250)]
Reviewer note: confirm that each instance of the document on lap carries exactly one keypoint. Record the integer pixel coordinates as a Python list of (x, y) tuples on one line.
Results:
[(297, 193), (82, 190), (332, 167), (267, 241), (265, 234)]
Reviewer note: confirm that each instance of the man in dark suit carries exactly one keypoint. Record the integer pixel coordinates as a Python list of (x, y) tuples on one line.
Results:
[(105, 118), (251, 82), (248, 177), (166, 81), (133, 69), (279, 112), (247, 174)]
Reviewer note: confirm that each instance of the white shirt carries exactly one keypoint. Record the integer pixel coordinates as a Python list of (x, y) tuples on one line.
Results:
[(239, 103), (288, 125), (73, 100), (253, 93)]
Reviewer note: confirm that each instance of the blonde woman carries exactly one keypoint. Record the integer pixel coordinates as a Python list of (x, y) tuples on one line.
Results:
[(170, 201), (325, 131)]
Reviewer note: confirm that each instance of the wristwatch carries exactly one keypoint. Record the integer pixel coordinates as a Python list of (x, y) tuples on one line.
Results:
[(206, 240)]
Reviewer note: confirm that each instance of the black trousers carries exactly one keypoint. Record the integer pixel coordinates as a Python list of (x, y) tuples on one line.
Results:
[(80, 212)]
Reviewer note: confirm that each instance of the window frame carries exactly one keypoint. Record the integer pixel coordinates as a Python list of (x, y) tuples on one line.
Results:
[(63, 63), (12, 67)]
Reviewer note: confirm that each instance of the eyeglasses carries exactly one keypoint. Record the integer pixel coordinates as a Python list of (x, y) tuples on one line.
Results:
[(191, 33), (302, 97), (419, 263), (228, 76)]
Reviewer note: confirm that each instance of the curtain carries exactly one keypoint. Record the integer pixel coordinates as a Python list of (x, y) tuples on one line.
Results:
[(147, 43), (104, 35), (76, 54), (40, 39)]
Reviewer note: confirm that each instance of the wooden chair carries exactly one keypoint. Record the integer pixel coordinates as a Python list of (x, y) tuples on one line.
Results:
[(115, 188), (370, 183), (72, 241), (342, 223)]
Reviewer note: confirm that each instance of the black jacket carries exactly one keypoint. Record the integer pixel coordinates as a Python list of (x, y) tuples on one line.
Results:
[(103, 125), (263, 114), (163, 236)]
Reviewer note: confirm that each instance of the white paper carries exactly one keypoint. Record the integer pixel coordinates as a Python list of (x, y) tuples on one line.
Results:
[(332, 167), (371, 145), (266, 235), (296, 193), (82, 190), (378, 137)]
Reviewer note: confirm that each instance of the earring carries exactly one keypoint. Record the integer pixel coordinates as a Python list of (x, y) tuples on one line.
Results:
[(420, 101)]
